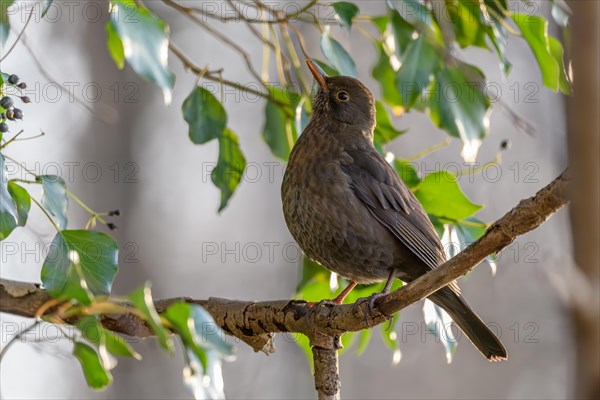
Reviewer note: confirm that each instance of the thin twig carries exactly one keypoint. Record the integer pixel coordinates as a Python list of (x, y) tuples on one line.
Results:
[(20, 34)]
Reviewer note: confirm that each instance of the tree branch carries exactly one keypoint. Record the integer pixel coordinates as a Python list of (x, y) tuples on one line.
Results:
[(256, 322)]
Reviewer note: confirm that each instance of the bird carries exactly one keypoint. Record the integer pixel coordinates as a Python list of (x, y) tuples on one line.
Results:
[(349, 211)]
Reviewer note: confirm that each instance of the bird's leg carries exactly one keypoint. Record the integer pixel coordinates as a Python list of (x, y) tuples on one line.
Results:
[(337, 301), (371, 299)]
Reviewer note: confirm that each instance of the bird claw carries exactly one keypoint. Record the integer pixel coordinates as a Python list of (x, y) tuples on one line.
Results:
[(371, 307), (313, 307)]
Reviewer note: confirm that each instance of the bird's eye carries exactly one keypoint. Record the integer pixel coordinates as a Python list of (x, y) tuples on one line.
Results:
[(343, 96)]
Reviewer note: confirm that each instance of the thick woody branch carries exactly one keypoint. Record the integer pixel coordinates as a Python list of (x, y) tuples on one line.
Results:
[(256, 322)]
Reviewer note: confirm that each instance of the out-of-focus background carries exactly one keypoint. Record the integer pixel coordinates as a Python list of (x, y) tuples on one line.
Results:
[(125, 150)]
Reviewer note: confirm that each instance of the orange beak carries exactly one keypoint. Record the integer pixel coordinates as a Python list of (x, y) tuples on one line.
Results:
[(318, 73)]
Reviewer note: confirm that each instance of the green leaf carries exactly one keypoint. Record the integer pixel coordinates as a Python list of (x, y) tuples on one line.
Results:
[(561, 13), (92, 330), (230, 167), (47, 5), (346, 13), (385, 131), (54, 198), (142, 300), (363, 341), (557, 51), (390, 338), (197, 330), (417, 71), (205, 116), (279, 131), (407, 173), (499, 38), (304, 343), (535, 31), (440, 195), (465, 16), (403, 34), (96, 374), (96, 253), (328, 69), (337, 55), (468, 231), (145, 39), (9, 213), (114, 44), (4, 22), (311, 271), (386, 76), (459, 107), (22, 200), (381, 23)]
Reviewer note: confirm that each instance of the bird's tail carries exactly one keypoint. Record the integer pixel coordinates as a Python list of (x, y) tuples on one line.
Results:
[(475, 329)]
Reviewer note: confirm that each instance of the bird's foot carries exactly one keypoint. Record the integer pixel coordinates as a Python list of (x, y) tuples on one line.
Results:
[(313, 306), (371, 307)]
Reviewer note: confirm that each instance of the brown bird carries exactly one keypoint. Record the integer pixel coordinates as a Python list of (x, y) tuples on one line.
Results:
[(348, 209)]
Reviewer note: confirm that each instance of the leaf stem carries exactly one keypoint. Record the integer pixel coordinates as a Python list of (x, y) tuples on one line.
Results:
[(429, 150)]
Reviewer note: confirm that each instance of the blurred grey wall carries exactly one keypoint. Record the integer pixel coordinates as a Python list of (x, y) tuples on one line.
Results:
[(171, 235)]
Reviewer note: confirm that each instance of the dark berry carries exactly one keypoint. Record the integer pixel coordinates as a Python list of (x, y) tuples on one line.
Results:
[(22, 85), (13, 79), (505, 145), (25, 99), (111, 226), (2, 116), (3, 127), (10, 114), (115, 213), (6, 102), (18, 113)]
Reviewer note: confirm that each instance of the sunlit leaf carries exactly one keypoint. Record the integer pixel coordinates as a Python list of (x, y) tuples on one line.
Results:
[(465, 16), (441, 196), (439, 323), (54, 198), (204, 384), (22, 200), (279, 131), (339, 58), (145, 40), (386, 76), (96, 374), (417, 71), (535, 31), (142, 300), (556, 49), (95, 253), (114, 44), (92, 330)]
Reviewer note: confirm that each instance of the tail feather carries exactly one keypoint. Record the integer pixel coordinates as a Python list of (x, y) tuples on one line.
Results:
[(473, 327)]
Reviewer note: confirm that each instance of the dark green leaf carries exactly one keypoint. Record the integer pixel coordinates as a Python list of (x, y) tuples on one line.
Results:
[(9, 213), (76, 287), (557, 52), (535, 31), (346, 13), (499, 37), (96, 374), (385, 131), (417, 71), (337, 55), (95, 253), (54, 198), (404, 34), (114, 44), (4, 22), (230, 167), (92, 330), (441, 196), (22, 200), (407, 173), (205, 116), (386, 76), (459, 107), (142, 300), (468, 231), (145, 39), (279, 131), (328, 69)]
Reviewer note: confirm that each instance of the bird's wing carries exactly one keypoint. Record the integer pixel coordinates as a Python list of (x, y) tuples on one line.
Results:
[(390, 201)]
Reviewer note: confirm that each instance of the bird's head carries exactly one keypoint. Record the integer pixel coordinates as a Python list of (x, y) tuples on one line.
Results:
[(343, 99)]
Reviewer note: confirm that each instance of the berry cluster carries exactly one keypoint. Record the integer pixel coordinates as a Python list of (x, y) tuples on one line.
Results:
[(8, 112)]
